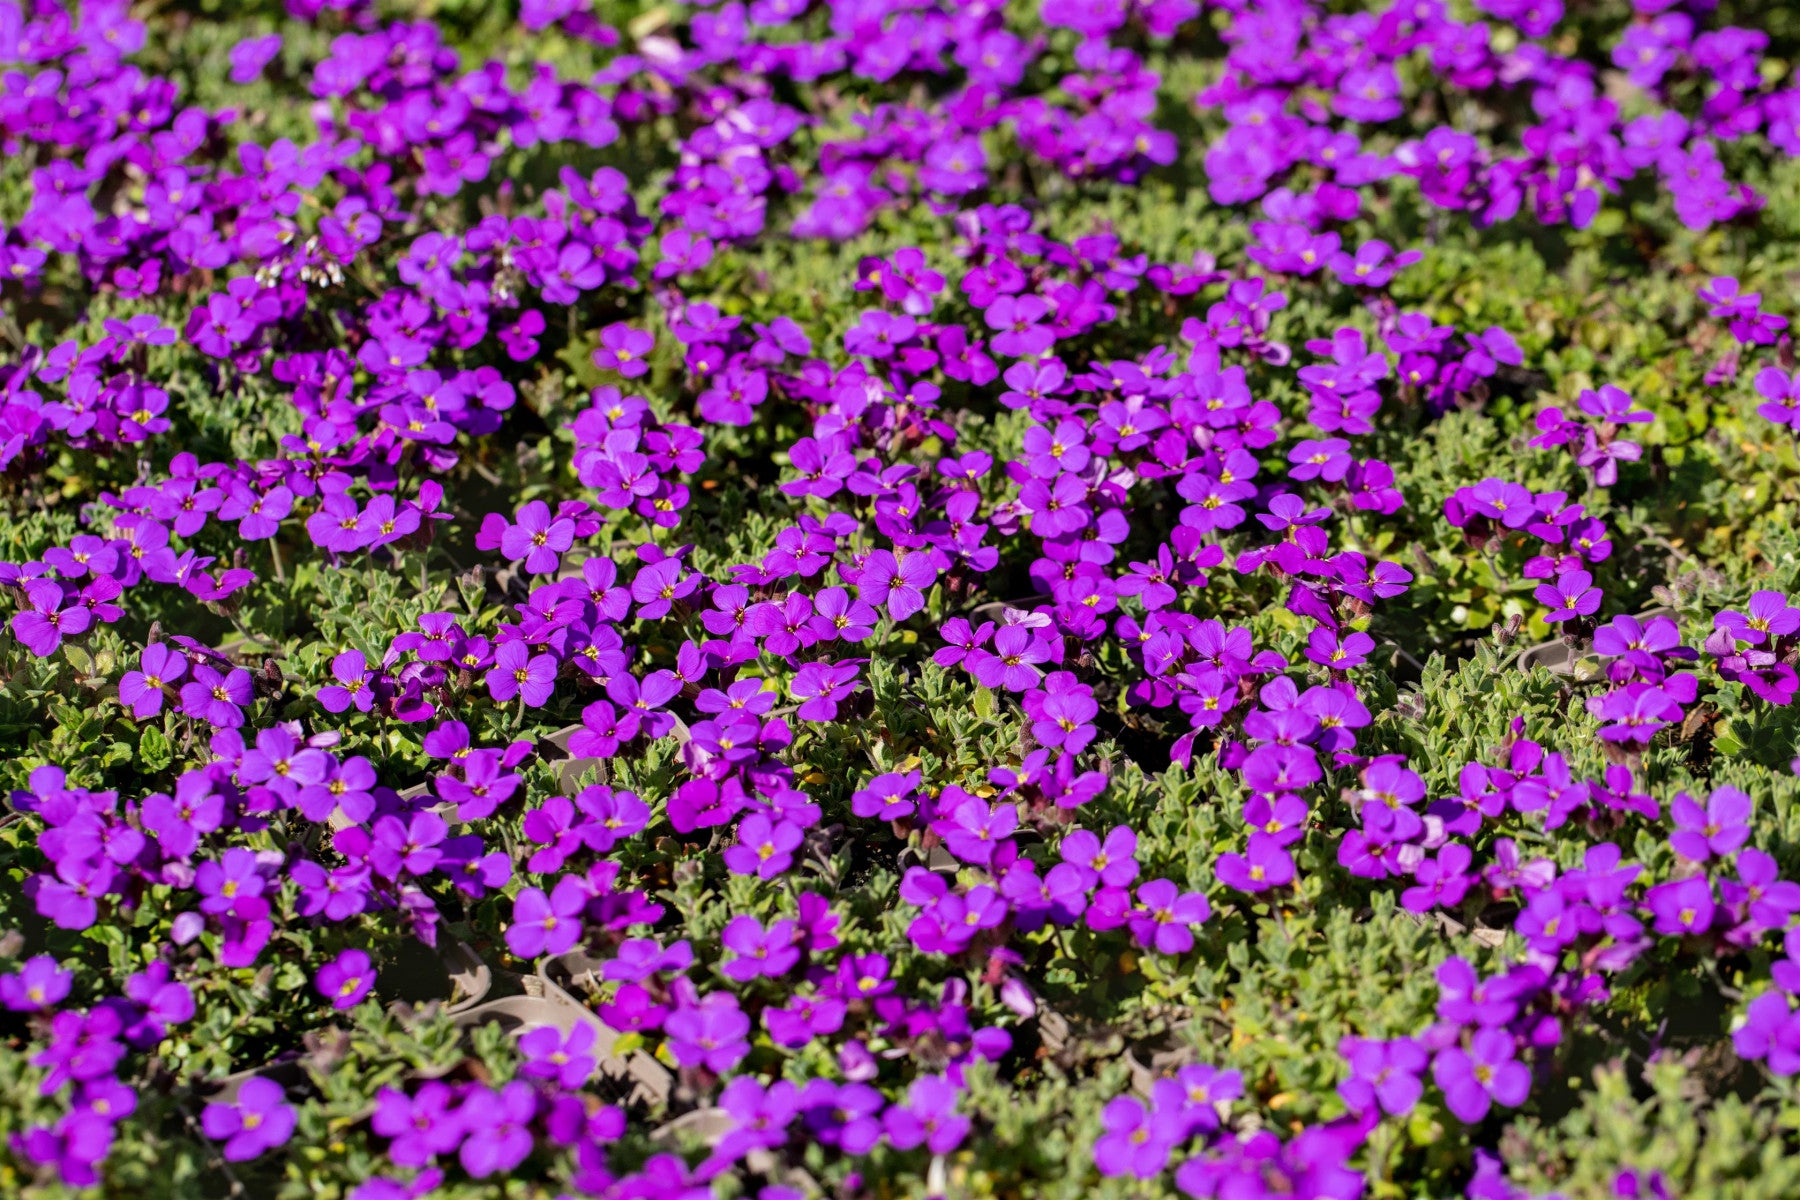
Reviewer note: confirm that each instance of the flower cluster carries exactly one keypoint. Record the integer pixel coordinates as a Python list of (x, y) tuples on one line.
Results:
[(849, 706)]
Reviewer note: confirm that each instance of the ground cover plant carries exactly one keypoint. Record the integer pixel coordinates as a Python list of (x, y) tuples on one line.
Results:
[(881, 598)]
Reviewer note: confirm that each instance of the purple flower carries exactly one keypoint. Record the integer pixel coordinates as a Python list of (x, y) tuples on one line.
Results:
[(538, 537), (624, 349), (259, 1121), (1781, 393), (1064, 719), (1440, 882), (1264, 865), (1136, 1141), (1328, 649), (1328, 460), (1274, 769), (499, 1128), (1013, 662), (162, 1000), (1770, 1033), (346, 979), (518, 672), (354, 684), (547, 924), (410, 846), (1163, 914), (217, 699), (1572, 595), (1682, 906), (1057, 508), (1465, 998), (1482, 1075), (972, 829), (1764, 898), (569, 1061), (42, 627), (765, 847), (772, 952), (836, 615), (250, 56), (1769, 616), (1635, 712), (81, 1047), (712, 1033), (1718, 829), (888, 797), (1382, 1073), (928, 1117), (227, 882), (258, 513), (38, 985), (822, 686), (1112, 863), (422, 1127), (899, 584), (142, 690), (658, 586)]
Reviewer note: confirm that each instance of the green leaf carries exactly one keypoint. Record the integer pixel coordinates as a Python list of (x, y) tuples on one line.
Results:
[(984, 703), (154, 751)]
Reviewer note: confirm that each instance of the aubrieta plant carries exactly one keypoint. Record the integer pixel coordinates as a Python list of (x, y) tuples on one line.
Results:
[(874, 598)]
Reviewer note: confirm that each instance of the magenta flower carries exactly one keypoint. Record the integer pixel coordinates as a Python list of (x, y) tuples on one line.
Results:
[(712, 1033), (757, 951), (37, 985), (258, 1121), (518, 672), (1572, 595), (928, 1117), (218, 699), (1065, 720), (258, 513), (538, 537), (142, 690), (568, 1061), (547, 924), (346, 979), (624, 349), (1163, 916), (498, 1125), (1057, 507), (1136, 1141), (1682, 906), (1112, 862), (1265, 864), (1716, 830), (228, 882), (1013, 662), (354, 686), (887, 797), (1384, 1074), (1781, 395), (42, 627), (1339, 652), (821, 687), (765, 847), (1770, 1034), (899, 584), (1328, 460), (422, 1126), (1636, 711), (1769, 616), (658, 586), (250, 56), (1482, 1075)]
